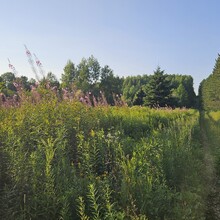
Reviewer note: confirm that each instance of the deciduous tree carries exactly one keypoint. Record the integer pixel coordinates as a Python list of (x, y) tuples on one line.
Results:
[(70, 74)]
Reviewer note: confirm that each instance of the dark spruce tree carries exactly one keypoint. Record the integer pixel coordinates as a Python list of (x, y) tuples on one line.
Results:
[(158, 90)]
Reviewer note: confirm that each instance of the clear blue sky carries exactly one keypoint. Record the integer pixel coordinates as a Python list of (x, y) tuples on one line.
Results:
[(131, 36)]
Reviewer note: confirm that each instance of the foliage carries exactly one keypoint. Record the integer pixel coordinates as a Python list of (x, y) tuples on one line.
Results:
[(132, 87), (110, 84), (210, 124), (158, 90), (51, 78), (182, 91), (70, 74), (91, 83), (66, 160), (88, 71), (210, 89), (136, 88), (6, 84)]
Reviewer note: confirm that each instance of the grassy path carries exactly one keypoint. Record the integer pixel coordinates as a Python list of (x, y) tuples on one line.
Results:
[(212, 180)]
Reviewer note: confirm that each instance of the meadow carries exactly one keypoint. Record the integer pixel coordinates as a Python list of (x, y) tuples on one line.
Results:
[(66, 160)]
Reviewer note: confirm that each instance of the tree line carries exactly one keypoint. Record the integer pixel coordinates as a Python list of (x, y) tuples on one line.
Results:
[(209, 90), (89, 77)]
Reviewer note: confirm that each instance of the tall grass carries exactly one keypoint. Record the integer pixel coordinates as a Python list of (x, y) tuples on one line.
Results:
[(66, 160)]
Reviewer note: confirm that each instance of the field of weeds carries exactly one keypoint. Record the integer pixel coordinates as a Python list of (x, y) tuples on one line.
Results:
[(67, 160)]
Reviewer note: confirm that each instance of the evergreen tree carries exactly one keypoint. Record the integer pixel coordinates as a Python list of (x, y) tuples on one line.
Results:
[(210, 89), (216, 69), (158, 90)]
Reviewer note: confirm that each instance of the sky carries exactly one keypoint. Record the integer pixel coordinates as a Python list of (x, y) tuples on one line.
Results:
[(133, 37)]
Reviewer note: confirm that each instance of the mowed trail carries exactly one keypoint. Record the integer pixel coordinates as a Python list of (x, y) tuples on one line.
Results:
[(212, 180)]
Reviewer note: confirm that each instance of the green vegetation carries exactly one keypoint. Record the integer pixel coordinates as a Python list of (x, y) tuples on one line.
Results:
[(210, 125), (75, 150), (209, 100), (158, 90), (210, 90), (89, 78), (66, 160)]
